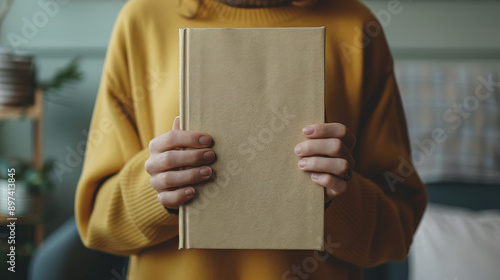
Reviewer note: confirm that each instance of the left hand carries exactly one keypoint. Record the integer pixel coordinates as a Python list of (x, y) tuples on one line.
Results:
[(327, 155)]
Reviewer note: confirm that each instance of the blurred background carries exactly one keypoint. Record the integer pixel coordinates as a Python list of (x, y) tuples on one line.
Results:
[(448, 68)]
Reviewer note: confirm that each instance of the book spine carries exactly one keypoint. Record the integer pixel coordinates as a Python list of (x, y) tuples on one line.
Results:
[(183, 116)]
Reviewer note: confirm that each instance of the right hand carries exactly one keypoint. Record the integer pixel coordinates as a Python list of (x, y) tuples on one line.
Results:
[(173, 170)]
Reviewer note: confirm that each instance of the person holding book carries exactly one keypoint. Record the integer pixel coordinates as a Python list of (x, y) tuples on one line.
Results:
[(134, 178)]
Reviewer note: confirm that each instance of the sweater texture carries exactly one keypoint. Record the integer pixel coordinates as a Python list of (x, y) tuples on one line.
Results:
[(117, 211)]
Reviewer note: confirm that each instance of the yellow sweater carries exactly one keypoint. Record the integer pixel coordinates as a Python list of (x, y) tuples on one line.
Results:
[(116, 208)]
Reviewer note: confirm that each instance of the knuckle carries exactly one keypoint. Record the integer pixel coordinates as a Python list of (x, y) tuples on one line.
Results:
[(171, 136), (169, 199), (167, 159), (176, 198), (343, 165), (152, 182), (193, 175), (167, 179), (151, 145), (335, 146), (147, 166), (156, 183), (337, 142), (163, 199), (342, 130)]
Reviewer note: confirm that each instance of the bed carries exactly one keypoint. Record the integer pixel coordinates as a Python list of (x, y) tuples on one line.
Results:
[(459, 237)]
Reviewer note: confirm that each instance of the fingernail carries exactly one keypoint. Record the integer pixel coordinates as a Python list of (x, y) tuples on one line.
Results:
[(208, 155), (298, 149), (189, 192), (302, 163), (205, 140), (205, 171), (308, 130), (315, 176)]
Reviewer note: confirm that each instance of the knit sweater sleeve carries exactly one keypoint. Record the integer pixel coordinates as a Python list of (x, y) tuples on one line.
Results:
[(116, 208), (374, 220)]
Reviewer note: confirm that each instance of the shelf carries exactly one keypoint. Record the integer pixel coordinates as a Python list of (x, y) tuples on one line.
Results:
[(16, 112), (33, 113)]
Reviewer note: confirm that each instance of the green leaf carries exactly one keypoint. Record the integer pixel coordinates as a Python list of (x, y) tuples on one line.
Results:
[(70, 74)]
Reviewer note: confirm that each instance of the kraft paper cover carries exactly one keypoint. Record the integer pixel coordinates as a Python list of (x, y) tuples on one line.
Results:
[(253, 90)]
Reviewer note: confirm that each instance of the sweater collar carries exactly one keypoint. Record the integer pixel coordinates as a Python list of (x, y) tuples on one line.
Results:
[(258, 16), (256, 3)]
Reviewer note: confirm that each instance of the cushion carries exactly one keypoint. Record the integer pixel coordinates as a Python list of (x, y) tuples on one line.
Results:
[(453, 115), (456, 243)]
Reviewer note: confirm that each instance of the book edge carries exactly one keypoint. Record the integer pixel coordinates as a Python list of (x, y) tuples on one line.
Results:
[(323, 28), (183, 115)]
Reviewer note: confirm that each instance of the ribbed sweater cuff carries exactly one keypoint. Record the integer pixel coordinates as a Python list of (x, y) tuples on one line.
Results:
[(127, 217), (346, 219), (140, 199)]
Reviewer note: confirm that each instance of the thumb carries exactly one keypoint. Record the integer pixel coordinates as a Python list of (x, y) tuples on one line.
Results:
[(177, 123)]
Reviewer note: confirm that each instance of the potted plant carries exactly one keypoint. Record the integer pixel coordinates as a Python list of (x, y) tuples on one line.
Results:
[(30, 183), (18, 80), (17, 72)]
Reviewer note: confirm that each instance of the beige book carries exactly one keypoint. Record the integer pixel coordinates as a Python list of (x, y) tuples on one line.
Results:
[(253, 90)]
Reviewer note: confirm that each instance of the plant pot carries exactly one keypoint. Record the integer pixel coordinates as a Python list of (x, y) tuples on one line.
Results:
[(26, 203), (17, 79)]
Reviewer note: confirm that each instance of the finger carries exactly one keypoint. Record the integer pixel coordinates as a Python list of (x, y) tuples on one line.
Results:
[(334, 185), (179, 139), (332, 147), (172, 179), (172, 199), (177, 123), (179, 158), (331, 130), (335, 166), (329, 194)]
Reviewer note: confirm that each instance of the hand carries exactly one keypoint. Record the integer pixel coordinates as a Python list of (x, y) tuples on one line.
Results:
[(173, 170), (327, 155)]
